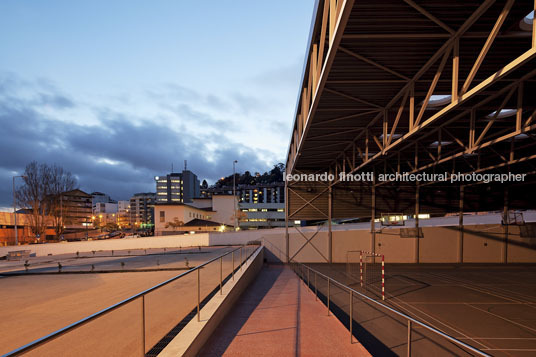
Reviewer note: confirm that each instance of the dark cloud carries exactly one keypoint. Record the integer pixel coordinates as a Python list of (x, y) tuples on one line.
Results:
[(55, 100), (120, 155)]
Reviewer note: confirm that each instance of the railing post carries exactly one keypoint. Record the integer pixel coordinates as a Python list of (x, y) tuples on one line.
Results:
[(221, 275), (308, 277), (316, 289), (232, 258), (328, 294), (241, 261), (198, 294), (143, 324), (351, 315), (409, 338)]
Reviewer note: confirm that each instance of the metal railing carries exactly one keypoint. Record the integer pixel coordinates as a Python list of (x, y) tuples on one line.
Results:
[(249, 250), (299, 270)]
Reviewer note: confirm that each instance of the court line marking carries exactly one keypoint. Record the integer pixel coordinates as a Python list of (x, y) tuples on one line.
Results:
[(509, 349), (527, 297), (503, 318), (502, 338), (435, 319), (482, 290), (460, 303)]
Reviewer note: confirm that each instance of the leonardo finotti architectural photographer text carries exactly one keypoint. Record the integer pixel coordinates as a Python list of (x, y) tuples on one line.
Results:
[(407, 177)]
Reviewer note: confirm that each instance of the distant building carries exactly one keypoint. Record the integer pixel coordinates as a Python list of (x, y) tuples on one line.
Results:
[(104, 207), (142, 210), (261, 206), (202, 215), (177, 187), (76, 210), (24, 229), (99, 197), (123, 206)]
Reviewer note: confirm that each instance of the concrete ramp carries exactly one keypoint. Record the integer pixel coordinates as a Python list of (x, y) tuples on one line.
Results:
[(278, 316)]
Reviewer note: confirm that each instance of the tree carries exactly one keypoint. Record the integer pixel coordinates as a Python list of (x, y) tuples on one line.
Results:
[(111, 227), (175, 223), (41, 193), (60, 181), (240, 216), (204, 185)]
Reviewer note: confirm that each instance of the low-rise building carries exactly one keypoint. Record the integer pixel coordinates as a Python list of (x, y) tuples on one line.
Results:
[(142, 210), (24, 229)]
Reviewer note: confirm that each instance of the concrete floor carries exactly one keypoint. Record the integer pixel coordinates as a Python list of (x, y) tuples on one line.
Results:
[(36, 305), (490, 307), (278, 316)]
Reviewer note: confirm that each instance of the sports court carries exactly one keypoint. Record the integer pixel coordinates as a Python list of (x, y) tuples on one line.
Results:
[(489, 306)]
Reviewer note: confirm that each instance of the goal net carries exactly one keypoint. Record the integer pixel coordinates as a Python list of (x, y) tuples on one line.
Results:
[(367, 269)]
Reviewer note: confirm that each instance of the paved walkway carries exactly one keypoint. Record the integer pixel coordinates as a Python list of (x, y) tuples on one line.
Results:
[(278, 316)]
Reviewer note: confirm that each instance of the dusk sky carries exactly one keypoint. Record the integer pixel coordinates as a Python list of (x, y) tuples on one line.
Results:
[(117, 91)]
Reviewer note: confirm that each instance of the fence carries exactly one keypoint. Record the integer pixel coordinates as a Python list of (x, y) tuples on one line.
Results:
[(383, 328), (131, 326)]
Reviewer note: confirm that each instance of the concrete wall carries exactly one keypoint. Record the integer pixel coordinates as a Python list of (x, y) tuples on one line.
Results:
[(223, 205), (482, 243), (193, 240)]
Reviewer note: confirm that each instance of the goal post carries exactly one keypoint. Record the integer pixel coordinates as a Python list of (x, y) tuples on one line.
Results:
[(368, 269)]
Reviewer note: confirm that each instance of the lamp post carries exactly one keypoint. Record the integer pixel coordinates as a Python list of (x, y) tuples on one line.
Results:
[(15, 209), (234, 195)]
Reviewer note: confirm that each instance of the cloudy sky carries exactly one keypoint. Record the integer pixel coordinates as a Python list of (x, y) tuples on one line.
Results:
[(117, 91)]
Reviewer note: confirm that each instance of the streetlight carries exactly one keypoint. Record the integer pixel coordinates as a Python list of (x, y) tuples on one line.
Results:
[(234, 195), (15, 209)]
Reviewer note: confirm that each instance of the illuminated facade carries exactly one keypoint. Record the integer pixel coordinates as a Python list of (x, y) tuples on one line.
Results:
[(177, 187)]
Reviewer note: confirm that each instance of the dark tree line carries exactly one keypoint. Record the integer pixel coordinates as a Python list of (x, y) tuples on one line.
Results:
[(41, 195), (274, 175)]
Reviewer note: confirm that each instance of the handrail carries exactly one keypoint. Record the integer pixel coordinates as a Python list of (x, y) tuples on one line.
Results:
[(401, 314), (31, 345)]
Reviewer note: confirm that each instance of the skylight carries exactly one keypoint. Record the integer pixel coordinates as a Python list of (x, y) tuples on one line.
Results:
[(504, 113), (395, 136), (443, 143), (526, 23), (437, 100)]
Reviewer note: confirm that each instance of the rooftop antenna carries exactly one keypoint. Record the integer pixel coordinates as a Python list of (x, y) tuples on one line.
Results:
[(171, 167), (185, 164)]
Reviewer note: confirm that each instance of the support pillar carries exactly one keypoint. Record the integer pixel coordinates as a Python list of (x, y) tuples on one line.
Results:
[(373, 217), (506, 223), (286, 221), (417, 235), (460, 227), (330, 234)]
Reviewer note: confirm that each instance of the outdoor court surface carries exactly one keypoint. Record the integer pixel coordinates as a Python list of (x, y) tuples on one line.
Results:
[(38, 304), (490, 307)]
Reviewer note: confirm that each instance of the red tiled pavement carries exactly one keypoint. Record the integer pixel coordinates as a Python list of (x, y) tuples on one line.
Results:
[(278, 316)]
